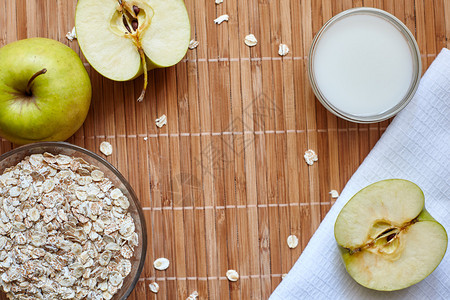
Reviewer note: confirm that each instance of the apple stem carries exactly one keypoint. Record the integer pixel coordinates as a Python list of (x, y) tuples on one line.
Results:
[(144, 64), (28, 89)]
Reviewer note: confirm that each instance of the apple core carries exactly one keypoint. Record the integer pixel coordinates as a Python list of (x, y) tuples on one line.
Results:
[(133, 20), (129, 18), (387, 242)]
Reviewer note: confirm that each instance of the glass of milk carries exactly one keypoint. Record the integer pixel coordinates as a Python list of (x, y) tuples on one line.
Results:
[(364, 65)]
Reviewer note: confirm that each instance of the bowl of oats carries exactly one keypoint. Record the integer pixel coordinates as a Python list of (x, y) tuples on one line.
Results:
[(71, 226)]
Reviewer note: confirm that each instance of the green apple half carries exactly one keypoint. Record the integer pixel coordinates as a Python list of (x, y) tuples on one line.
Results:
[(387, 239), (122, 39), (45, 91)]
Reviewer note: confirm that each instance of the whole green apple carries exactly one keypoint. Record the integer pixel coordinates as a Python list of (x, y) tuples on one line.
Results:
[(45, 91)]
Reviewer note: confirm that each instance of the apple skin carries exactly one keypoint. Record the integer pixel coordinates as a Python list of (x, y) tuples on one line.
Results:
[(60, 98)]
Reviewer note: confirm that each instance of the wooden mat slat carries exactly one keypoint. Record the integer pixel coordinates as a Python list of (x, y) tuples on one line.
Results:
[(199, 87), (224, 183)]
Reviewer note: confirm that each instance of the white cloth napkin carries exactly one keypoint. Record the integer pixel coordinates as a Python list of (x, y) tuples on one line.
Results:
[(415, 146)]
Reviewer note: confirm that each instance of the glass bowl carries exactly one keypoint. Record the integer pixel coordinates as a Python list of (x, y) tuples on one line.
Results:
[(416, 66), (13, 157)]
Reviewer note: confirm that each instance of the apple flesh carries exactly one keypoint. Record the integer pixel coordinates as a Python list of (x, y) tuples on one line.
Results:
[(125, 38), (45, 91), (387, 239)]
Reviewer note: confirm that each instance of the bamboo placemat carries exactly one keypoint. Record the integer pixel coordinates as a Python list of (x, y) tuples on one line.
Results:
[(224, 183)]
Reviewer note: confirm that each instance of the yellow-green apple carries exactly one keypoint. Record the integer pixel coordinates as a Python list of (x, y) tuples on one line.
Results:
[(387, 239), (122, 39), (45, 91)]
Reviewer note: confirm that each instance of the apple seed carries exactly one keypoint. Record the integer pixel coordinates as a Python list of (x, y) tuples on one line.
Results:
[(390, 237), (136, 10), (125, 23), (135, 24), (386, 232)]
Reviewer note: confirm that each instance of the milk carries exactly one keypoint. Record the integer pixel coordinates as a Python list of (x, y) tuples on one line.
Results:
[(363, 65)]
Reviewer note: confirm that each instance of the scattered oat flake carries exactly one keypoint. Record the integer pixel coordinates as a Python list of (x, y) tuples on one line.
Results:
[(161, 121), (310, 157), (161, 263), (222, 18), (193, 44), (283, 275), (71, 35), (219, 1), (334, 194), (154, 287), (250, 40), (192, 296), (106, 148), (292, 241), (232, 275), (283, 50), (145, 138)]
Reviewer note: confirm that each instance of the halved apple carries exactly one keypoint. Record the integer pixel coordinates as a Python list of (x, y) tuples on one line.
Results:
[(122, 39), (387, 239)]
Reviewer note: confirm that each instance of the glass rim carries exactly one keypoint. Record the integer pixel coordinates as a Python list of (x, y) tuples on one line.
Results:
[(122, 179), (416, 61)]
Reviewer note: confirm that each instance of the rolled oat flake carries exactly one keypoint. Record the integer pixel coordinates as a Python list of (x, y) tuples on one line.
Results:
[(250, 40), (106, 148), (161, 263), (292, 241), (232, 275), (154, 287)]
